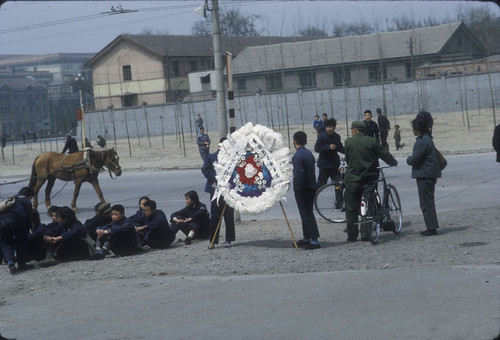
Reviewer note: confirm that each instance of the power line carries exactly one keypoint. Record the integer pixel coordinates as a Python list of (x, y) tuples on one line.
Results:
[(113, 11)]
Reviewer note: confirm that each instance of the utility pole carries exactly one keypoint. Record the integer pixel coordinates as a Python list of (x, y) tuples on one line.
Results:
[(219, 73)]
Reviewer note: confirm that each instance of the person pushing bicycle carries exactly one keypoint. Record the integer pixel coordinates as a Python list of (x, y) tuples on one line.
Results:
[(362, 154)]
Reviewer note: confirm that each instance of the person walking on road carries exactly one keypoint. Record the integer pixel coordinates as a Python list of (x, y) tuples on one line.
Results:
[(199, 122), (203, 142)]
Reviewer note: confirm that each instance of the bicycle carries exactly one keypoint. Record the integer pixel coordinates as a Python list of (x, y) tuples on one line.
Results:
[(329, 199), (377, 214)]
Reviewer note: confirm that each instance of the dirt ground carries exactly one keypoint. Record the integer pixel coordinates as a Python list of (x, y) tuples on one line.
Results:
[(265, 247)]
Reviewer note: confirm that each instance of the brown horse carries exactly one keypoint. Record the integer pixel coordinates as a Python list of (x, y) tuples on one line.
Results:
[(50, 166)]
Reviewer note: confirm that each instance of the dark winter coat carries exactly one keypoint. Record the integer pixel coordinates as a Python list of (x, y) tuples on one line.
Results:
[(304, 176), (424, 159), (328, 159)]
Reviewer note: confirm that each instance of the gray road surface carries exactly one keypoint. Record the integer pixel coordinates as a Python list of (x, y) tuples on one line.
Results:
[(469, 181), (433, 302)]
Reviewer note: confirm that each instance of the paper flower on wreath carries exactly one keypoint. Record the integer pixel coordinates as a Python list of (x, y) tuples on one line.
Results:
[(253, 169)]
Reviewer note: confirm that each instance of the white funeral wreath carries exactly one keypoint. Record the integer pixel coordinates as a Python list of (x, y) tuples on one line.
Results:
[(253, 169)]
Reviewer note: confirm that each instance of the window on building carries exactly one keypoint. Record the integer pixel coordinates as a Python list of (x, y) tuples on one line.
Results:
[(307, 79), (130, 100), (192, 66), (374, 73), (205, 79), (175, 68), (274, 82), (127, 72), (242, 84), (341, 76), (409, 71)]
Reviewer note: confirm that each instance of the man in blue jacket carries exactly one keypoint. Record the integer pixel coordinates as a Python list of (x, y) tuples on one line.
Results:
[(70, 145), (216, 208), (328, 145), (15, 223), (304, 186)]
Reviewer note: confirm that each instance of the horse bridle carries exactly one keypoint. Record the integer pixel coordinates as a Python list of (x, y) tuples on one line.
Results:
[(116, 166)]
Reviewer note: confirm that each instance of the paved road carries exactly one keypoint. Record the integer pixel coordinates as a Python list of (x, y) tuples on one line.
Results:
[(423, 302), (434, 302), (468, 181)]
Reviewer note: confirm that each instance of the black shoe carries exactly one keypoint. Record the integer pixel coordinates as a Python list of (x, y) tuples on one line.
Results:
[(98, 256), (429, 232), (13, 270), (312, 246), (187, 241), (48, 261), (302, 244), (365, 239), (23, 267), (351, 239)]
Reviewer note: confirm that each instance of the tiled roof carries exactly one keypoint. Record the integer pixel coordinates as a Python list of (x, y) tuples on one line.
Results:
[(353, 49), (44, 58), (188, 45), (19, 83)]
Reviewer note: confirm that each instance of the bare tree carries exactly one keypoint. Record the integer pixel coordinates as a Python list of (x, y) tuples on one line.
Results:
[(232, 23), (313, 32), (345, 29), (484, 25)]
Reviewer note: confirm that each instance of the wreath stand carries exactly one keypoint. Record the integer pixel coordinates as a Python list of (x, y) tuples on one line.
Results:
[(222, 215)]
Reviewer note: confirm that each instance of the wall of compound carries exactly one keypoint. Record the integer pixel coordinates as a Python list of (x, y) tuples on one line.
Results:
[(446, 94)]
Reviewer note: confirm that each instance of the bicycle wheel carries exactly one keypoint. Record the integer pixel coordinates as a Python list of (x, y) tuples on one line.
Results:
[(329, 202), (369, 223), (394, 205)]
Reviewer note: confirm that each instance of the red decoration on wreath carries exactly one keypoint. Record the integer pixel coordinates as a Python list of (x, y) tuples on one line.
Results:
[(241, 171)]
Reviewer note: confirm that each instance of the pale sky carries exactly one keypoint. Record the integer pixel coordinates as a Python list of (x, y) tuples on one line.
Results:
[(43, 27)]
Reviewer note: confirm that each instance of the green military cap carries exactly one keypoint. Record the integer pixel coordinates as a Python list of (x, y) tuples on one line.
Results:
[(357, 124)]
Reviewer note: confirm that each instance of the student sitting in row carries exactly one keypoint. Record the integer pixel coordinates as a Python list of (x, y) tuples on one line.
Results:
[(192, 220), (139, 218), (67, 240), (102, 217), (119, 236), (155, 232)]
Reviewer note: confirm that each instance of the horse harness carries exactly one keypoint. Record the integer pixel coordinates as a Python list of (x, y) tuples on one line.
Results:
[(83, 164)]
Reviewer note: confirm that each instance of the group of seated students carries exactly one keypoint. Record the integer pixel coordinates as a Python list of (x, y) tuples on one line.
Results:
[(67, 239)]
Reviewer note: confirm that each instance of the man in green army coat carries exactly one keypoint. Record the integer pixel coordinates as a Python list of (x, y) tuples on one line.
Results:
[(362, 153)]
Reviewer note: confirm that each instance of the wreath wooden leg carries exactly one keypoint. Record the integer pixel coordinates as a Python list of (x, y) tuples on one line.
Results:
[(288, 224), (218, 226)]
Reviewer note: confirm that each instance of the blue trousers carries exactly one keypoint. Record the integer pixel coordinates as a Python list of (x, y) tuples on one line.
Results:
[(305, 201), (14, 237), (426, 187)]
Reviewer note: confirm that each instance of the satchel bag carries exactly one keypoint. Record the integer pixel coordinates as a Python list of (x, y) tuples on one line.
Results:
[(7, 203), (442, 161)]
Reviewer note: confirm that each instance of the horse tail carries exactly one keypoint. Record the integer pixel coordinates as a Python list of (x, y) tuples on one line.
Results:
[(34, 176)]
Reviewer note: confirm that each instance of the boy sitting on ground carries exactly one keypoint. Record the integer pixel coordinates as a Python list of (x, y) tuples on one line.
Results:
[(119, 236), (155, 233)]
